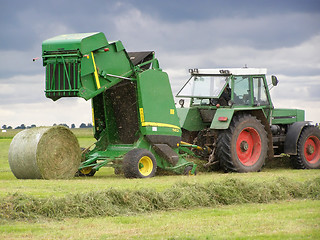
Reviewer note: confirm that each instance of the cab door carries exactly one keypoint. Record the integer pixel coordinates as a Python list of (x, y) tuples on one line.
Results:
[(260, 94)]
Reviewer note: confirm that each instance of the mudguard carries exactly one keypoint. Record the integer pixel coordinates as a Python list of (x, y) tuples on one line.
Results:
[(293, 134), (222, 118)]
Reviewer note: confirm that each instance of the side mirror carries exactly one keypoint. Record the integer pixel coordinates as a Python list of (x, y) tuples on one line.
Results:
[(181, 102), (230, 103), (274, 80)]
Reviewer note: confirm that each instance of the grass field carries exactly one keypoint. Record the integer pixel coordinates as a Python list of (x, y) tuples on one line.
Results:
[(297, 219), (294, 214)]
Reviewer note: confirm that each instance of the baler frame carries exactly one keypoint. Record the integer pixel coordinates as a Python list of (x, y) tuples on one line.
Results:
[(132, 103)]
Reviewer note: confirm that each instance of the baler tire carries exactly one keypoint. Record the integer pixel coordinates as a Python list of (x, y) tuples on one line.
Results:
[(83, 174), (187, 171), (243, 146), (139, 163), (308, 149), (118, 171), (85, 171)]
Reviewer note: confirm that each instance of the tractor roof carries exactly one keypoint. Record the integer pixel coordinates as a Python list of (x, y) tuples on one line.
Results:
[(230, 71)]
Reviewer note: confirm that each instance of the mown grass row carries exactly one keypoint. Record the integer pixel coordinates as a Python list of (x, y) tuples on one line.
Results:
[(114, 202)]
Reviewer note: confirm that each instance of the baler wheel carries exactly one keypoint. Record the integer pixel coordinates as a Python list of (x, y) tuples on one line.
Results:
[(243, 147), (86, 172), (187, 171), (139, 163), (308, 149)]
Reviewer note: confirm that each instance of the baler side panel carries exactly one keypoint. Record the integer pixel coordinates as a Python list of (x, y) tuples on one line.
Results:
[(157, 111)]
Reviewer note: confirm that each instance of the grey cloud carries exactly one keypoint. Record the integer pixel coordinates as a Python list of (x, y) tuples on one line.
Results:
[(282, 36), (29, 22), (22, 89)]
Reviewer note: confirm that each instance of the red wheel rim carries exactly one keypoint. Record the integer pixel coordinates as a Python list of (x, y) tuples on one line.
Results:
[(312, 149), (248, 146)]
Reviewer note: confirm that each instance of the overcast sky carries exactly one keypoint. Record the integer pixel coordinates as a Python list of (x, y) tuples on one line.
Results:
[(282, 36)]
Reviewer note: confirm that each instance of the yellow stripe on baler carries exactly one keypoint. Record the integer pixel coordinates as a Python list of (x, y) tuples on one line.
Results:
[(95, 71), (154, 124)]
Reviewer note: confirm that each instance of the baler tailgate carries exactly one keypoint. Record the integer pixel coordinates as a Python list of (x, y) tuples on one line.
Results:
[(62, 77)]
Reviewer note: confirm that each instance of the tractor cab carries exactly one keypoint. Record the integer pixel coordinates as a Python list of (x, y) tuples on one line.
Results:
[(234, 87), (207, 89)]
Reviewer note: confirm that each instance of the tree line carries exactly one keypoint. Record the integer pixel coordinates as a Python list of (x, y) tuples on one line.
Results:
[(23, 126)]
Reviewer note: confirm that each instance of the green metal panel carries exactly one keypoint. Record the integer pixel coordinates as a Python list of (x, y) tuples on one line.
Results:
[(119, 46), (287, 116), (300, 115), (190, 119), (157, 111), (222, 113), (85, 42), (87, 66), (182, 114)]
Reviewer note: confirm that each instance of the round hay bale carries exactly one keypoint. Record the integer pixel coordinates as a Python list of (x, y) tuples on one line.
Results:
[(44, 152)]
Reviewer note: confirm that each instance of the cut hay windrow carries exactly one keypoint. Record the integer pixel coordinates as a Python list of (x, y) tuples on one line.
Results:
[(44, 152), (113, 202)]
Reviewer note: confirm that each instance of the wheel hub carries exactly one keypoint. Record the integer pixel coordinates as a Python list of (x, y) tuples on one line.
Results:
[(248, 146), (145, 165), (244, 146), (310, 149)]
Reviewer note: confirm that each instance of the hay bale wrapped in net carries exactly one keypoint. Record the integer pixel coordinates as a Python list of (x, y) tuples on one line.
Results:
[(44, 152)]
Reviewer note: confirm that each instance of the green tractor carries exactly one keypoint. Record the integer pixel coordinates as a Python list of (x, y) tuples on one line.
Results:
[(232, 118)]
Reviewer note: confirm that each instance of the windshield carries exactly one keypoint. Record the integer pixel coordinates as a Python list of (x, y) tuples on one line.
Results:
[(203, 86)]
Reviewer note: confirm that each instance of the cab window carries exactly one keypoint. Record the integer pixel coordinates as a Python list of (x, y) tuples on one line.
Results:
[(259, 92), (241, 93)]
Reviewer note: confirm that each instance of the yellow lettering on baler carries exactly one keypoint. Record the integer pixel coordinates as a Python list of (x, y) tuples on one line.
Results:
[(141, 115)]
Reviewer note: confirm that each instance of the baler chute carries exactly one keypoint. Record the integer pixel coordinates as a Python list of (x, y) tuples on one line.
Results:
[(134, 114)]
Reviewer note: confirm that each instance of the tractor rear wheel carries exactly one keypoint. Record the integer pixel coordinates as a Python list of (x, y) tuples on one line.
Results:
[(139, 163), (308, 149), (244, 146)]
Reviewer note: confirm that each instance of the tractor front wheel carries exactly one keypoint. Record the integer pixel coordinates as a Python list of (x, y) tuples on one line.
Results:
[(243, 147), (139, 163), (308, 149)]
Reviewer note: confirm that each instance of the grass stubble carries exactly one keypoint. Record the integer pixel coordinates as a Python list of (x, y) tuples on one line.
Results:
[(272, 205)]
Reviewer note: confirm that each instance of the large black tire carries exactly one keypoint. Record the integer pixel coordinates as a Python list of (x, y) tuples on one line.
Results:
[(139, 163), (308, 149), (244, 146)]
